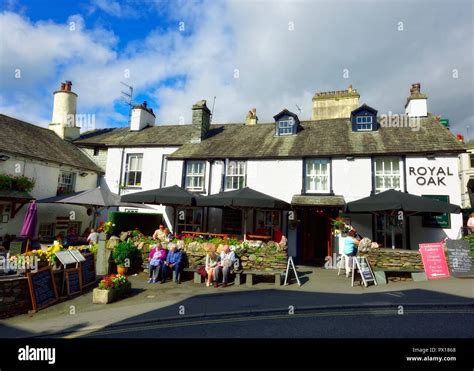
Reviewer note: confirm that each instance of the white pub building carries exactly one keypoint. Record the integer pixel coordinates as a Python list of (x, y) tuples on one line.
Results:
[(344, 153)]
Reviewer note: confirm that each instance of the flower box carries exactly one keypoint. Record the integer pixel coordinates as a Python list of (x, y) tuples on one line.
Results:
[(100, 296)]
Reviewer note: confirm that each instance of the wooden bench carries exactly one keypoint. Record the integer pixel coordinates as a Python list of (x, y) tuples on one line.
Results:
[(249, 274), (381, 274), (199, 279)]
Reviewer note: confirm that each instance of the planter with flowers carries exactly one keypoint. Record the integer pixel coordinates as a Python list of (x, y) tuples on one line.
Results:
[(111, 288)]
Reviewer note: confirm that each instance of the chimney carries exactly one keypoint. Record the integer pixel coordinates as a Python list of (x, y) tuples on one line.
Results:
[(251, 118), (201, 121), (416, 105), (142, 116), (63, 122), (335, 104)]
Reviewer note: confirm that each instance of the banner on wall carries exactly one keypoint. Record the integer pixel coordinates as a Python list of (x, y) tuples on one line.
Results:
[(434, 260)]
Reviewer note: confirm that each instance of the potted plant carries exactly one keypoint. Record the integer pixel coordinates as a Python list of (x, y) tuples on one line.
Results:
[(111, 288), (123, 255)]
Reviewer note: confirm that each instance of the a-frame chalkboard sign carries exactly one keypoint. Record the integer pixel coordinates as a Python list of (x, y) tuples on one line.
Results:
[(88, 270), (361, 264), (42, 287), (73, 281)]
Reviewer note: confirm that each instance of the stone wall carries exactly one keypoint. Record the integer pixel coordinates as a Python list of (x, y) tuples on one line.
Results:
[(14, 296), (394, 259), (253, 255)]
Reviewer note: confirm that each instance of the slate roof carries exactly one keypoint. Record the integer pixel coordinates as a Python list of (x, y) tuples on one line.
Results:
[(161, 135), (25, 139), (319, 138)]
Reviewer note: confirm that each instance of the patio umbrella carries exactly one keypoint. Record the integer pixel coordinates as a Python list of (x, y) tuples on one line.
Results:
[(391, 201), (29, 223), (93, 197), (244, 198), (173, 196)]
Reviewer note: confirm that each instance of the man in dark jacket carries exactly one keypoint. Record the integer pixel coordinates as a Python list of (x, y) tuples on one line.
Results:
[(173, 262)]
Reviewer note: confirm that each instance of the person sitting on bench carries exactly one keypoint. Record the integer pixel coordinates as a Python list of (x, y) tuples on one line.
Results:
[(157, 258), (173, 262), (225, 263)]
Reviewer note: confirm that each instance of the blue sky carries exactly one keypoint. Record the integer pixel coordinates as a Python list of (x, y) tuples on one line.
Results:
[(265, 54)]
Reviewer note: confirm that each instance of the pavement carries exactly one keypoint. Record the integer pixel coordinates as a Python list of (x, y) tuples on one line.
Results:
[(321, 289)]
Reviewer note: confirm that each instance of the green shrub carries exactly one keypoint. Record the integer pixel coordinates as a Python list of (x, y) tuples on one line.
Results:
[(125, 250), (17, 183)]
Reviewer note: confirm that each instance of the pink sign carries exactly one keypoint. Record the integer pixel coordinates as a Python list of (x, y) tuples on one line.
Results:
[(434, 260)]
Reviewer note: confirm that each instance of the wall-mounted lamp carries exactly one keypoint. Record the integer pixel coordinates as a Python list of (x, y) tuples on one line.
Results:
[(350, 158), (4, 157), (430, 156), (83, 174)]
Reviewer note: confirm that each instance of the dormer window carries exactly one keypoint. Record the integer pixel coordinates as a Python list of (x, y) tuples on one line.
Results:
[(285, 127), (286, 123), (364, 118), (364, 123)]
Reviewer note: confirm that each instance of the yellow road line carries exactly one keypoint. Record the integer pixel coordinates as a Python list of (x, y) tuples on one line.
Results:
[(392, 311)]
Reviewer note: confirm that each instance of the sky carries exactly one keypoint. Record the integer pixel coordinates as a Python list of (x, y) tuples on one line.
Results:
[(236, 55)]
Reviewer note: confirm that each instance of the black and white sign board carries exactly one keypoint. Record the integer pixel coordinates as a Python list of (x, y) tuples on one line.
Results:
[(459, 258), (361, 264), (291, 265), (77, 255), (65, 257)]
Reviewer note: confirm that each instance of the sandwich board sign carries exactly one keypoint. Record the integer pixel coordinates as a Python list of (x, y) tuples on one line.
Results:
[(291, 265), (434, 260), (459, 258), (363, 267)]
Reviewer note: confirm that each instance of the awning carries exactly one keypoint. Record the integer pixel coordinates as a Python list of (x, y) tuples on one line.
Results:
[(16, 195), (318, 200)]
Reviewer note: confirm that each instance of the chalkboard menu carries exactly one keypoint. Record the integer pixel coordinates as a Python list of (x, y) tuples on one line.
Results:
[(42, 288), (459, 258), (361, 264), (88, 270), (73, 281), (15, 248)]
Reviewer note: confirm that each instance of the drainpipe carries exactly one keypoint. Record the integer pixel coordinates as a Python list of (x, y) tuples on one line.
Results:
[(121, 171)]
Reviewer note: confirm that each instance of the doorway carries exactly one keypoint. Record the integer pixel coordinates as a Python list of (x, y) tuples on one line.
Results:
[(317, 237)]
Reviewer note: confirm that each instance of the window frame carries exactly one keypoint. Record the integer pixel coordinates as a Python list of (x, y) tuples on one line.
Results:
[(231, 177), (46, 237), (327, 161), (70, 187), (364, 124), (471, 160), (391, 175), (136, 172), (188, 176), (184, 225), (290, 122)]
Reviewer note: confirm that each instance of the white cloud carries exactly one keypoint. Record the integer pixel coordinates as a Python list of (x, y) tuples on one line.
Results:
[(278, 68)]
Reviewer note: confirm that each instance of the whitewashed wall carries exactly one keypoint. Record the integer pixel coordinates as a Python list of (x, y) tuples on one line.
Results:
[(151, 171), (352, 179), (46, 182), (446, 182)]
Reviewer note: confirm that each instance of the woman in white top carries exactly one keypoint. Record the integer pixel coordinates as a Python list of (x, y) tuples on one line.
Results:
[(211, 263)]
